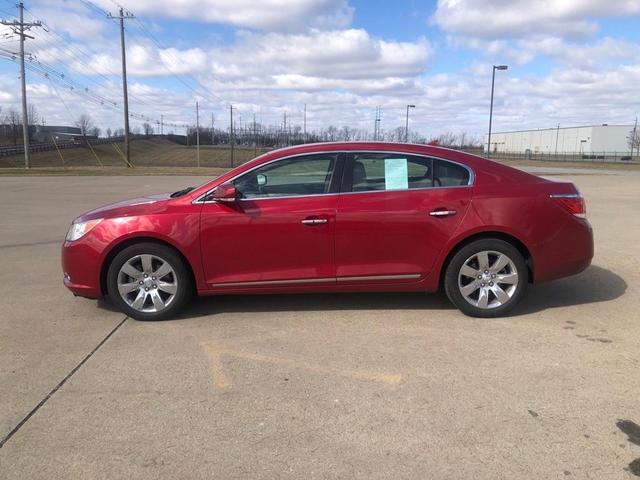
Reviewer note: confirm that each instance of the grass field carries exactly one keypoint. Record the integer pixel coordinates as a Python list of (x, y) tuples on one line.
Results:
[(157, 153)]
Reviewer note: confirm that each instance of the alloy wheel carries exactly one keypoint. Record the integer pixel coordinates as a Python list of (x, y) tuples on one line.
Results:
[(147, 283), (488, 279)]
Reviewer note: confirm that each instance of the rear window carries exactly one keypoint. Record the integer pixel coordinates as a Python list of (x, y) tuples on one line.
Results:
[(448, 174)]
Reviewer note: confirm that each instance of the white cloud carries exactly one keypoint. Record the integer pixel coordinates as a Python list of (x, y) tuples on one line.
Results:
[(522, 18), (345, 54), (342, 74), (592, 55), (264, 14), (315, 59)]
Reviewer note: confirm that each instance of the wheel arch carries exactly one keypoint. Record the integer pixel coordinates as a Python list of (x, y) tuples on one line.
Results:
[(514, 241), (120, 246)]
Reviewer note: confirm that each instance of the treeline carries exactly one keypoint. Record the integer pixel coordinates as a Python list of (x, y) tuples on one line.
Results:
[(249, 134), (274, 136)]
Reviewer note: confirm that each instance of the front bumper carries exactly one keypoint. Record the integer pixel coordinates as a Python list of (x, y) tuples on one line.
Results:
[(81, 269)]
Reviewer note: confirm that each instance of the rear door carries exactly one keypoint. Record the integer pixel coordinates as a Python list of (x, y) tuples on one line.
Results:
[(280, 231), (395, 213)]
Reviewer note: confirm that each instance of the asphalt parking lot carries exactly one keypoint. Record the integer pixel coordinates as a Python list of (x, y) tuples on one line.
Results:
[(315, 386)]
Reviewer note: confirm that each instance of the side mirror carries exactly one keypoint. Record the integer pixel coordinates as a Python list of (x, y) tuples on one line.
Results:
[(225, 193)]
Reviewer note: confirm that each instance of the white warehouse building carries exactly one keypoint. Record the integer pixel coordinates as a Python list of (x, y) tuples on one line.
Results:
[(590, 140)]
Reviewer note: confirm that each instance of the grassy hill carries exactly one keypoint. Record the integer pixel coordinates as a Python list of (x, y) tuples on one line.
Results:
[(144, 153)]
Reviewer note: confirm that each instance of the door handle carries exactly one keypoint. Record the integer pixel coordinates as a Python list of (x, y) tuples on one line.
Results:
[(442, 213), (314, 221)]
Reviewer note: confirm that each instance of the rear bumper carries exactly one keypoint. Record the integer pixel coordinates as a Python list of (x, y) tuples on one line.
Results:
[(567, 253), (81, 269)]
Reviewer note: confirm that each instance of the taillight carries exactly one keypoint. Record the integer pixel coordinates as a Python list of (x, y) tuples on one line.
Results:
[(572, 202)]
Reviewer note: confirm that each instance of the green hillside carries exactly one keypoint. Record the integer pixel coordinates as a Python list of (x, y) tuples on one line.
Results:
[(144, 153)]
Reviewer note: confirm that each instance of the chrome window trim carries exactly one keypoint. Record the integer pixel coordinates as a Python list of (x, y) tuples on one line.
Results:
[(470, 183)]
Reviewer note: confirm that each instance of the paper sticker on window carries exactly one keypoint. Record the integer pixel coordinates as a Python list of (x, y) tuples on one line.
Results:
[(396, 176)]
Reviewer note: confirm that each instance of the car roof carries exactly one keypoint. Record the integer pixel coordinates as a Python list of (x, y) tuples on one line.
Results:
[(476, 163)]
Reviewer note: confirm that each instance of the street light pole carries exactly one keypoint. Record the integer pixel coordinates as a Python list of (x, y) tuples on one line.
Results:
[(493, 81), (406, 124)]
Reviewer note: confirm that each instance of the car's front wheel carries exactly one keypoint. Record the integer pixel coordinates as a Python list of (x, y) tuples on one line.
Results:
[(148, 281), (486, 278)]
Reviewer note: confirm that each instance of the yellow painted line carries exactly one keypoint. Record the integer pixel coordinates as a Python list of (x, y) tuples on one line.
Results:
[(220, 378), (222, 381)]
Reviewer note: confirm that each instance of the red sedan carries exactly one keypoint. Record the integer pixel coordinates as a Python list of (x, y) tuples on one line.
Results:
[(336, 217)]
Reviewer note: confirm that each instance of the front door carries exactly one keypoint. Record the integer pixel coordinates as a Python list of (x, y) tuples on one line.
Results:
[(280, 231), (395, 214)]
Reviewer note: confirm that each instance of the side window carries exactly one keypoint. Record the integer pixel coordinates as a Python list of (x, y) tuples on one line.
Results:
[(390, 171), (305, 175), (450, 174)]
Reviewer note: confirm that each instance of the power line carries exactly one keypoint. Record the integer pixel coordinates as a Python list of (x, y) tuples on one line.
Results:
[(65, 81), (86, 59)]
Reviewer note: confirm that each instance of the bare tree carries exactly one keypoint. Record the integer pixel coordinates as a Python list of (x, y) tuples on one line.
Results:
[(147, 129), (84, 123), (463, 139), (33, 117), (633, 140), (14, 121), (95, 131), (109, 132)]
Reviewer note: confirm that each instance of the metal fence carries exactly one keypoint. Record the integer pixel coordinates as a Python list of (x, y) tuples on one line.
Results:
[(593, 157)]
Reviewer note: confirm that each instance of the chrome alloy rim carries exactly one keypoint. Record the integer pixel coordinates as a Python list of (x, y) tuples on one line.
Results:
[(147, 283), (488, 279)]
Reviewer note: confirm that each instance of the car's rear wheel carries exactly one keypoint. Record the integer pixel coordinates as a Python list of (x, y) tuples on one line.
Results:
[(148, 281), (486, 278)]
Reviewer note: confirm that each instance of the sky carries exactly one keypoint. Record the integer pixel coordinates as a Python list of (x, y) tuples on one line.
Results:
[(571, 62)]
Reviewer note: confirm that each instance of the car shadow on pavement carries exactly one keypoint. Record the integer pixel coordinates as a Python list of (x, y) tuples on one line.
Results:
[(316, 302), (594, 285)]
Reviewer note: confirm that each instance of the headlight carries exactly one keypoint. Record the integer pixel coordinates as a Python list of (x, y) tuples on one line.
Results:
[(79, 230)]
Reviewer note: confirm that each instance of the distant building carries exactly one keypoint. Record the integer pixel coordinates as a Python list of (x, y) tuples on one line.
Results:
[(44, 133), (588, 140)]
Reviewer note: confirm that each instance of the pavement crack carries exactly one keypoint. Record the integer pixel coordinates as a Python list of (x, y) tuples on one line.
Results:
[(60, 384)]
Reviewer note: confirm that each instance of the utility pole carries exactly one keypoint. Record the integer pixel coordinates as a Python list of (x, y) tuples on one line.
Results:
[(19, 27), (305, 124), (197, 136), (255, 137), (633, 138), (406, 124), (231, 139), (557, 135), (161, 124), (124, 15), (376, 123), (284, 129), (375, 126), (493, 82)]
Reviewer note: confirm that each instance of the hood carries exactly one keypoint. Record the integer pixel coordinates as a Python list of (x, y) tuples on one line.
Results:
[(127, 208)]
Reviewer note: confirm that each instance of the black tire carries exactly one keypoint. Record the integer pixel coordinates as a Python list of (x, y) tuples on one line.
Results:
[(467, 252), (183, 280)]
